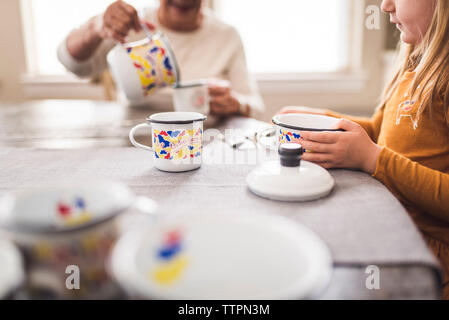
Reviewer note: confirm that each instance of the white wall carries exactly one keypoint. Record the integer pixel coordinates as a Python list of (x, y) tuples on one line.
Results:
[(12, 59)]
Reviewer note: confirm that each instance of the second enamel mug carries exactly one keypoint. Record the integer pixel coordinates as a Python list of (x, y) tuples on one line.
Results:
[(177, 140), (288, 128)]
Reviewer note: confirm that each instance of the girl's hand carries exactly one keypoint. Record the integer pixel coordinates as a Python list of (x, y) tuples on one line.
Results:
[(297, 109), (117, 21), (352, 148), (222, 101)]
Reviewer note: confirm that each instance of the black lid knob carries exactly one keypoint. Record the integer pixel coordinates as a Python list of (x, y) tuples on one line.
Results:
[(290, 154)]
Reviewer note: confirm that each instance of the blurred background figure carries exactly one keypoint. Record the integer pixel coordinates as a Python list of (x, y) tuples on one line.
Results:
[(346, 72), (204, 46)]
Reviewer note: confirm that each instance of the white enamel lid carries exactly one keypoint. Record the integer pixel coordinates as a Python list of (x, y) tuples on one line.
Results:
[(63, 207), (12, 273), (304, 183), (218, 256)]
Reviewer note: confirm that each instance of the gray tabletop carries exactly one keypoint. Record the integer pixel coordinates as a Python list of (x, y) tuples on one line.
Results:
[(361, 222)]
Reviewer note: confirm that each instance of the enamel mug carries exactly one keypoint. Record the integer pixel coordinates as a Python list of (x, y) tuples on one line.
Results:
[(191, 96), (177, 140), (288, 127)]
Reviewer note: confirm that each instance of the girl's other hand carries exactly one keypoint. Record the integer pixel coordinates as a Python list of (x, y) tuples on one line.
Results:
[(117, 21), (300, 109), (351, 148)]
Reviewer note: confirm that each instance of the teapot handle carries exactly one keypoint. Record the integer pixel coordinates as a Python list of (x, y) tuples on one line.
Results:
[(145, 25)]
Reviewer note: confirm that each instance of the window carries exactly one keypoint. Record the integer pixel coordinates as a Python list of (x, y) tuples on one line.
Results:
[(284, 36), (51, 21), (291, 36)]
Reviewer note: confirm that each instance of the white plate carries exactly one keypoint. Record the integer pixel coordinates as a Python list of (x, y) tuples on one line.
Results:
[(222, 257)]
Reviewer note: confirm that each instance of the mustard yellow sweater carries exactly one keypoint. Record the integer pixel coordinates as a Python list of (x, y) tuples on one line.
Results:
[(414, 161)]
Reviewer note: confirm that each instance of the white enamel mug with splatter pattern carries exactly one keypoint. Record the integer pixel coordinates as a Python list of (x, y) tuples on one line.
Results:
[(177, 140), (288, 127)]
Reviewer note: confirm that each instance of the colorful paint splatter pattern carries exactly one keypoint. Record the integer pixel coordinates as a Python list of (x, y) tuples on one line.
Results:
[(153, 65), (286, 136), (177, 144), (73, 213), (172, 261)]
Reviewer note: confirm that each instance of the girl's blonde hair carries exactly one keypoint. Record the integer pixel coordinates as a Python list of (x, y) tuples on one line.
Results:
[(430, 61)]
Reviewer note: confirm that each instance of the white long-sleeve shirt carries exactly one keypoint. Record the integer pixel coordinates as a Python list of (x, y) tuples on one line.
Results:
[(215, 50)]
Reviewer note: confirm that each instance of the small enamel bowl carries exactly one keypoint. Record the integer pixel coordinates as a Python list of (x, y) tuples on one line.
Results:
[(289, 126), (63, 230)]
